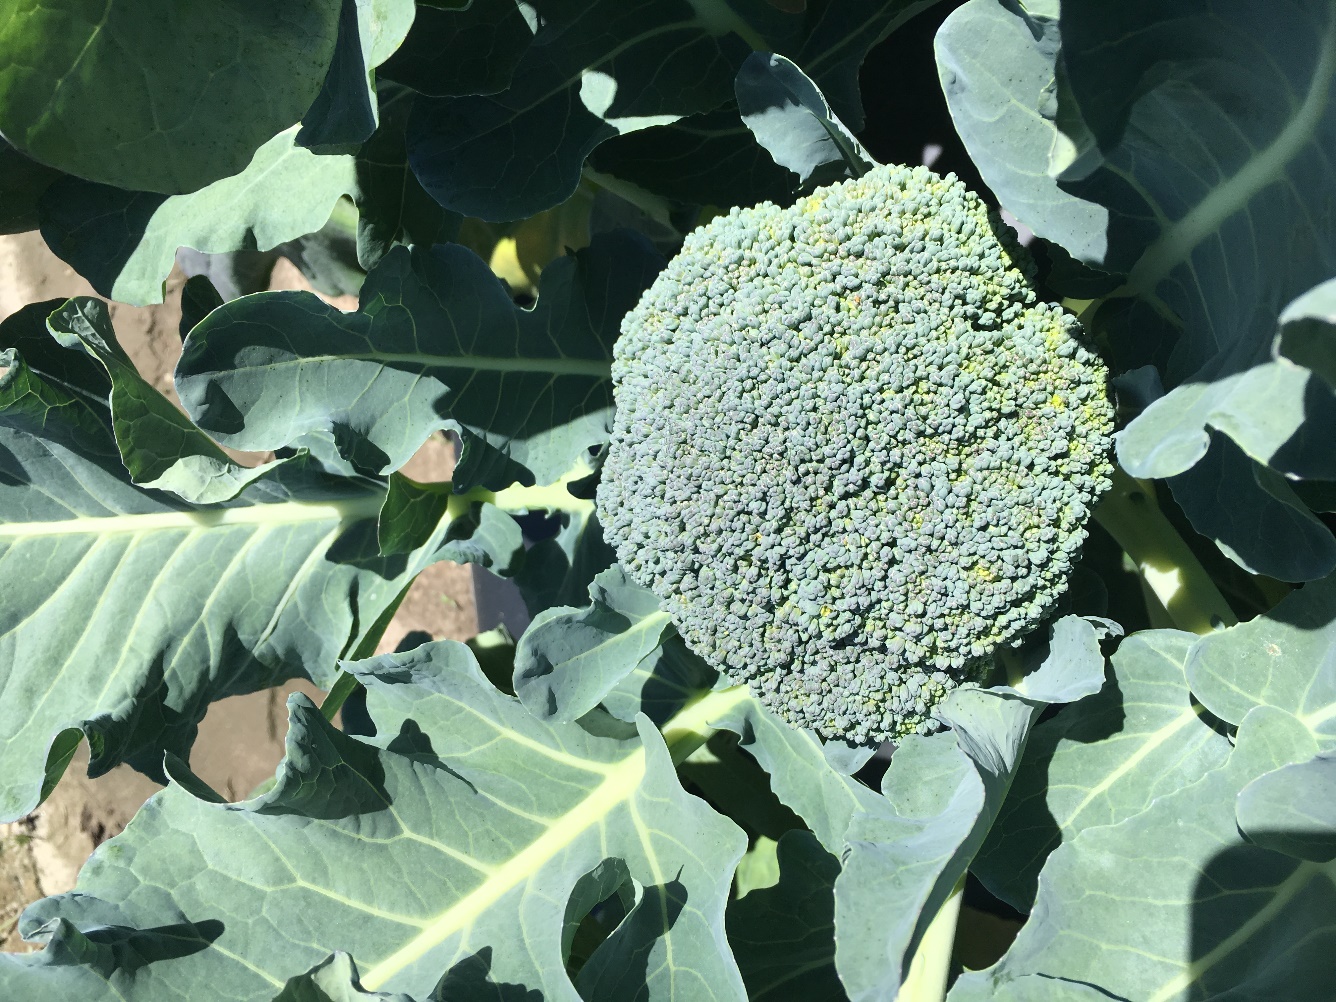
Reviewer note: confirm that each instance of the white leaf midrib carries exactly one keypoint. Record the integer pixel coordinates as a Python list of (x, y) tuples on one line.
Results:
[(279, 513)]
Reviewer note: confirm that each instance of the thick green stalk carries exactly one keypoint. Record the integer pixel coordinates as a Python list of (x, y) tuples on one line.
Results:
[(1167, 566), (930, 969)]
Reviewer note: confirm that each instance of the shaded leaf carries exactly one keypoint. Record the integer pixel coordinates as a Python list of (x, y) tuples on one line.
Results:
[(436, 344), (569, 659), (159, 99), (790, 117), (22, 182), (125, 242), (343, 114), (1281, 659), (445, 850), (485, 39), (784, 935), (1100, 761), (1173, 904), (1293, 810)]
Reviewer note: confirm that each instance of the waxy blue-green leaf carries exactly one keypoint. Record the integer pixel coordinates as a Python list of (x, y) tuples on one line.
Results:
[(1207, 147), (999, 70), (392, 207), (158, 98), (1265, 527), (344, 114), (712, 157), (1277, 416), (1293, 810), (569, 659), (792, 119), (602, 73), (1173, 904), (124, 242), (907, 855), (333, 980), (1170, 148), (1282, 659), (125, 611), (594, 70), (1100, 761), (1308, 331), (436, 344), (902, 862), (448, 848), (158, 445), (783, 936)]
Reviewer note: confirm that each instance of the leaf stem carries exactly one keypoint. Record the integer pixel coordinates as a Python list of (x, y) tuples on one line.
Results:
[(931, 967), (1168, 568)]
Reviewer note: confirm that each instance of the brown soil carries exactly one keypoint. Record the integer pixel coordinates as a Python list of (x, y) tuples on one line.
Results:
[(241, 739)]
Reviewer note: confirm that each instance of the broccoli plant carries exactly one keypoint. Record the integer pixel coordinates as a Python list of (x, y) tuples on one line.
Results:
[(930, 572)]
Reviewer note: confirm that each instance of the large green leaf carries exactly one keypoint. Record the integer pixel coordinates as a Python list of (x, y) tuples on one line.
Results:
[(907, 856), (124, 611), (784, 935), (158, 98), (1236, 435), (437, 343), (1100, 761), (1282, 660), (999, 68), (597, 73), (392, 207), (594, 70), (1293, 810), (22, 182), (569, 659), (1173, 904), (344, 113), (1168, 147), (712, 157), (124, 242), (485, 39), (157, 443), (458, 847), (792, 119)]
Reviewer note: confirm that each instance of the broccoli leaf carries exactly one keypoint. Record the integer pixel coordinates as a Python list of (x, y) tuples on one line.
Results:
[(124, 242), (711, 157), (128, 610), (1293, 810), (485, 39), (333, 980), (1153, 151), (784, 935), (594, 70), (1101, 760), (436, 344), (1281, 660), (159, 99), (791, 118), (470, 896), (1172, 903), (1000, 71), (569, 659), (343, 114), (22, 183)]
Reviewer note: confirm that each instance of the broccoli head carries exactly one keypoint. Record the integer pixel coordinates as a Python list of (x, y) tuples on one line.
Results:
[(853, 453)]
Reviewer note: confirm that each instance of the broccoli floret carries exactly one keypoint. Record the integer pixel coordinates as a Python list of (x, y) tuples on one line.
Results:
[(853, 454)]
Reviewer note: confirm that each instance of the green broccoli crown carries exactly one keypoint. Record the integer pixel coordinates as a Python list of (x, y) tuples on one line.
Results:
[(853, 454)]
